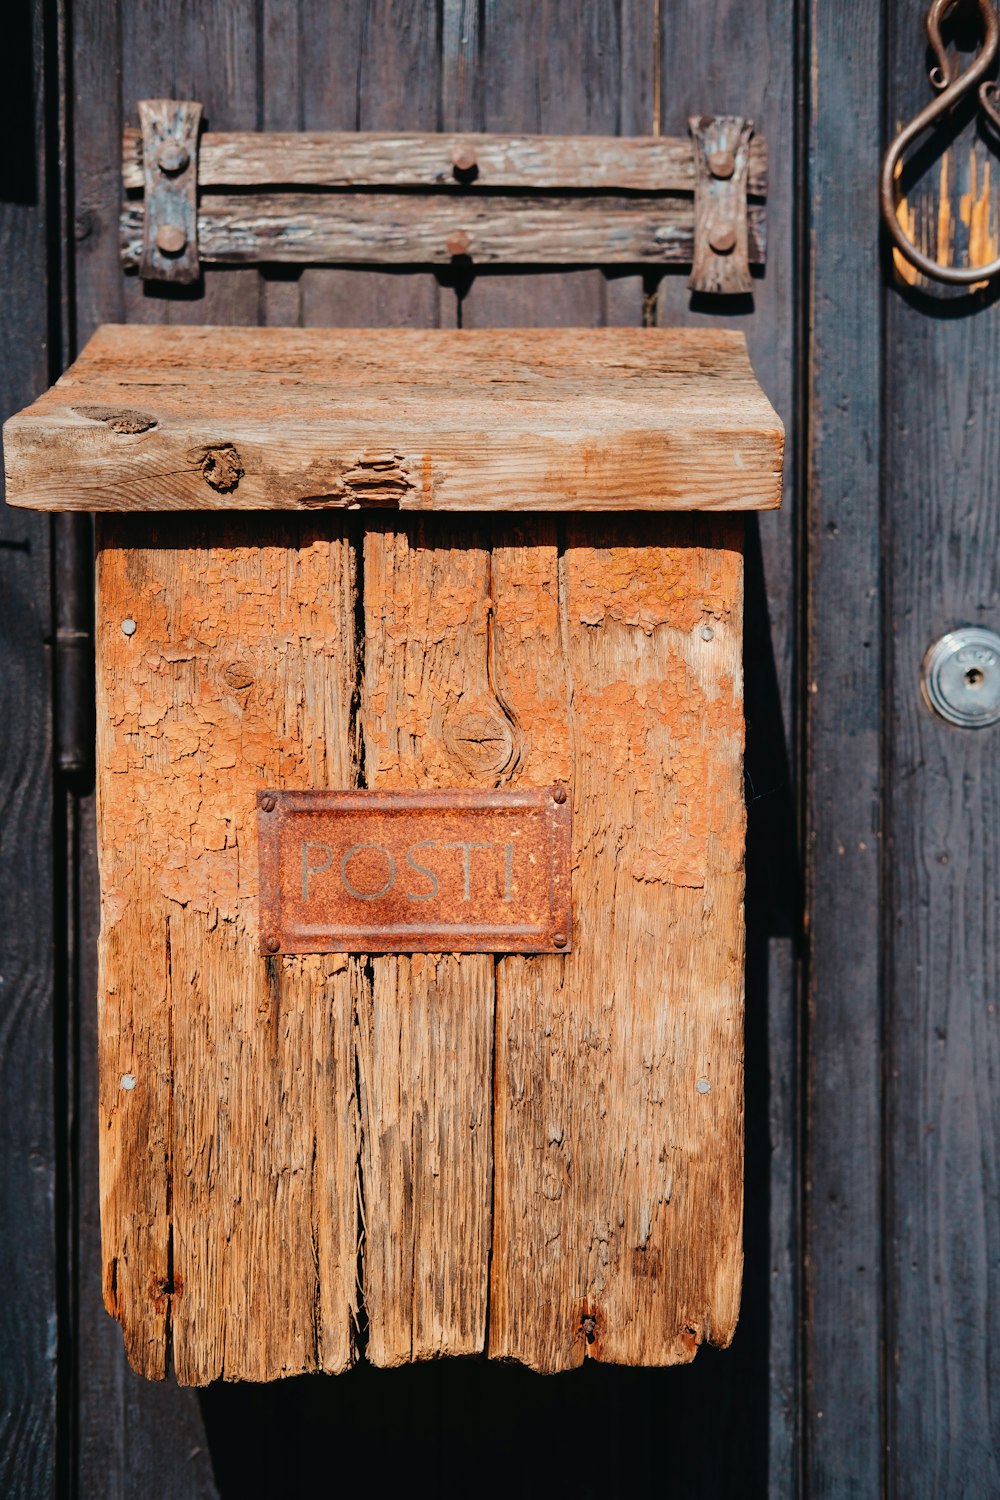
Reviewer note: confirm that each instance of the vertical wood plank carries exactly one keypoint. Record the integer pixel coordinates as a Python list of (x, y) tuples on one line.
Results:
[(699, 45), (843, 1401), (619, 1094), (29, 1321), (430, 716), (943, 811), (227, 1080)]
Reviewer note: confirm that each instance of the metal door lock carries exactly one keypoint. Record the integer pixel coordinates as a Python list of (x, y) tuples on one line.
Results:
[(961, 677)]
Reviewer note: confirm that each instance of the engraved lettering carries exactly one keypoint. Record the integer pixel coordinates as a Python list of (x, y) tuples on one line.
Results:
[(352, 890), (422, 870), (467, 848), (308, 869)]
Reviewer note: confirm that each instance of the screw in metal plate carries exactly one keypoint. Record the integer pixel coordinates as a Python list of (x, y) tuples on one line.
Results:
[(267, 803), (271, 944), (560, 939), (171, 239), (960, 677), (172, 157), (129, 627), (559, 794)]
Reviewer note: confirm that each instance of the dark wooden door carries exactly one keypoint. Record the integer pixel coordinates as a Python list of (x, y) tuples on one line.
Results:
[(864, 1360)]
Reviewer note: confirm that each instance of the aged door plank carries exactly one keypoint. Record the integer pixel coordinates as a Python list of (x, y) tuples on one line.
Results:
[(942, 1030), (429, 717), (619, 1096), (760, 1378), (845, 1355), (227, 1089), (34, 1352)]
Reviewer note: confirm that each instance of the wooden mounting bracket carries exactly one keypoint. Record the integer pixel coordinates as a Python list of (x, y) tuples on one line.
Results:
[(170, 181), (314, 198)]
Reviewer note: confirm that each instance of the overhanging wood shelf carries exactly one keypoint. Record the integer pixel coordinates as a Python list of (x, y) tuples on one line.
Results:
[(533, 1155), (313, 198), (163, 418)]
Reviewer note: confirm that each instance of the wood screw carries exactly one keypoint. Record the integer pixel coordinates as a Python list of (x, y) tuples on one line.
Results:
[(722, 164), (458, 243), (560, 940), (171, 239), (559, 794), (267, 804), (271, 944), (172, 157), (723, 241)]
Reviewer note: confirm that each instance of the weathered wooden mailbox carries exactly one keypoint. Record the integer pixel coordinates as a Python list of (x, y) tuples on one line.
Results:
[(421, 836)]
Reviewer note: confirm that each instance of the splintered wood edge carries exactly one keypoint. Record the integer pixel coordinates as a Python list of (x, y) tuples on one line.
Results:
[(159, 419)]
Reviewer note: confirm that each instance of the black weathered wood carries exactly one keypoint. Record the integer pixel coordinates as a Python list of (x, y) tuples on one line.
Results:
[(31, 1251), (698, 48), (843, 1405), (942, 529)]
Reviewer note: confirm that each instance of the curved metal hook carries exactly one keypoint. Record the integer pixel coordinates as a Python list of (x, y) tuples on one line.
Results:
[(950, 90)]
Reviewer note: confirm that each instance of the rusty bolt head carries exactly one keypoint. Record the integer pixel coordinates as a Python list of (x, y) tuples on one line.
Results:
[(560, 939), (463, 160), (267, 804), (559, 794), (171, 239), (723, 241), (172, 157), (458, 243), (722, 164), (271, 944)]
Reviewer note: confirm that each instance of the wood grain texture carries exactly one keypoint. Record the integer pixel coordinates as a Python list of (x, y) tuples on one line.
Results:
[(227, 419), (369, 228), (316, 158), (430, 717), (619, 1101), (229, 1120), (34, 1362), (846, 1447), (760, 1376), (942, 1033)]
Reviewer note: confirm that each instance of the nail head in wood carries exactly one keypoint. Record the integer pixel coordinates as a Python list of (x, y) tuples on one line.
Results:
[(464, 163), (171, 239), (172, 157), (722, 164), (458, 243), (723, 241)]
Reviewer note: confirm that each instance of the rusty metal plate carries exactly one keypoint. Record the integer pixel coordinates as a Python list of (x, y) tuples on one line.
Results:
[(415, 872)]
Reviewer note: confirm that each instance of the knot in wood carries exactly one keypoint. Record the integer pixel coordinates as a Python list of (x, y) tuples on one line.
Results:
[(222, 469), (482, 739)]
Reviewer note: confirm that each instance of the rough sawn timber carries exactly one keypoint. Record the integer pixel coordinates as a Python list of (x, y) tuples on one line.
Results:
[(618, 1127), (351, 159), (405, 229), (173, 418), (229, 1127)]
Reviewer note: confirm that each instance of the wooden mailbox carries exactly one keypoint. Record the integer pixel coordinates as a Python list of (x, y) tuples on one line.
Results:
[(460, 568)]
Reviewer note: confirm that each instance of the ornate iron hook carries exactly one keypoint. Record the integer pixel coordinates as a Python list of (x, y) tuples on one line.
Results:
[(952, 85)]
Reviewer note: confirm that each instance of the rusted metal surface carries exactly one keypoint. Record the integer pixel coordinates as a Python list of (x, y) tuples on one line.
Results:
[(721, 260), (451, 871), (952, 85), (170, 172)]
